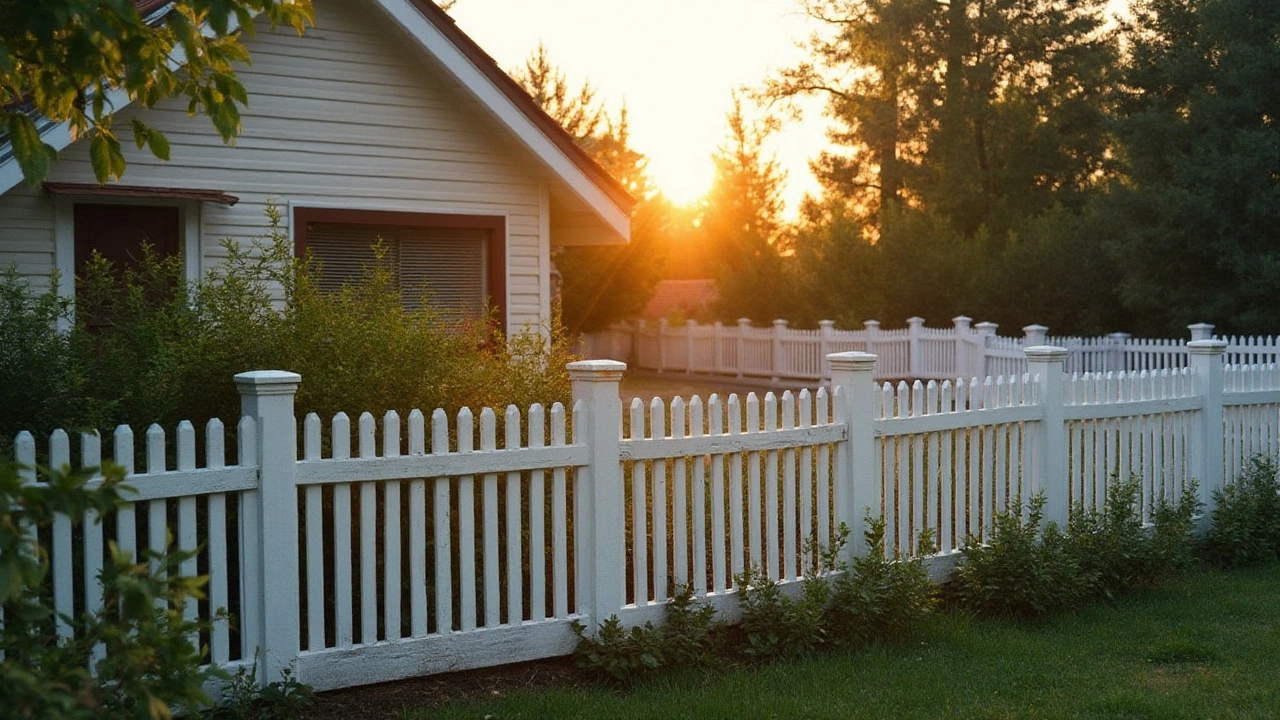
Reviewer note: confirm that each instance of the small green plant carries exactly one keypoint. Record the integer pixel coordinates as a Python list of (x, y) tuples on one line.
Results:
[(878, 598), (622, 655), (245, 699), (1245, 527), (689, 637), (776, 625), (1025, 572), (134, 658)]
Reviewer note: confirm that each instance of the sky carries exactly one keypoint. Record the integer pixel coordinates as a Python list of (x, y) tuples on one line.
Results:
[(675, 65)]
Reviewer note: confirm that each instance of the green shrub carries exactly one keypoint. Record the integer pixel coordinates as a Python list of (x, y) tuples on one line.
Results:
[(881, 599), (623, 655), (1024, 572), (1245, 527), (776, 625), (689, 637), (132, 659), (39, 380), (1116, 554)]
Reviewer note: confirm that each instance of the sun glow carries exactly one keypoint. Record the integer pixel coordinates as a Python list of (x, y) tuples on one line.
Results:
[(683, 178)]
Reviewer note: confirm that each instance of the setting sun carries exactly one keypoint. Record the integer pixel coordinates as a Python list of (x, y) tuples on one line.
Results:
[(683, 178)]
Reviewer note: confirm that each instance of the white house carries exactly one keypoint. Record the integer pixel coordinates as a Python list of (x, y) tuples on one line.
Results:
[(384, 120)]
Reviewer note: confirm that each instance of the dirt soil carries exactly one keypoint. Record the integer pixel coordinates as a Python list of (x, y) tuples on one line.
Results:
[(389, 700)]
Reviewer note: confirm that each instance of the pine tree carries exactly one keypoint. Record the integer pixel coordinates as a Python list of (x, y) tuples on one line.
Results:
[(1195, 222)]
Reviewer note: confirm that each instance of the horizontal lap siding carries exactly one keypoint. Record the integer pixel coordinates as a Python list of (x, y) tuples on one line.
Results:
[(350, 116), (26, 235)]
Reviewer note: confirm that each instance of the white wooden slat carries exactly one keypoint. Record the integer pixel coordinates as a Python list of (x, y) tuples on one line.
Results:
[(559, 523), (919, 490), (313, 519), (157, 510), (679, 500), (63, 567), (343, 579), (823, 489), (737, 536), (537, 520), (946, 476), (715, 420), (219, 570), (250, 514), (466, 527), (442, 525), (696, 428), (754, 495), (391, 517), (492, 601), (639, 515), (805, 481), (770, 544), (514, 523), (658, 470), (789, 509), (94, 540), (188, 534), (417, 532), (367, 436)]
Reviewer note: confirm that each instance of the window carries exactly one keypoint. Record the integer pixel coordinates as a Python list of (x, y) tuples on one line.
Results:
[(117, 232), (455, 262)]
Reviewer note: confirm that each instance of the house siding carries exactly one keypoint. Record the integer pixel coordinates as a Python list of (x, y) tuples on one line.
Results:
[(351, 116)]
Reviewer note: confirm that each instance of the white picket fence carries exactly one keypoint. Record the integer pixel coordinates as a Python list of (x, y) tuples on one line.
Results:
[(393, 547), (780, 353)]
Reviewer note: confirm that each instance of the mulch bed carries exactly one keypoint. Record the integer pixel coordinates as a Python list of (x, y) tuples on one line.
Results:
[(389, 700)]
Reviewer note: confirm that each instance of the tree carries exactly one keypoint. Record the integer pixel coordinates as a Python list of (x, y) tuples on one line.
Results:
[(957, 126), (1194, 218), (74, 60), (602, 284), (741, 224)]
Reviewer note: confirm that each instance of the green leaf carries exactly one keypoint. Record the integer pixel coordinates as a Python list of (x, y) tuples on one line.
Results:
[(100, 156), (32, 154), (159, 144)]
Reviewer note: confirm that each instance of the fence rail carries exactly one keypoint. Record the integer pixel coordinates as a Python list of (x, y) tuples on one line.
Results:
[(916, 352), (387, 547)]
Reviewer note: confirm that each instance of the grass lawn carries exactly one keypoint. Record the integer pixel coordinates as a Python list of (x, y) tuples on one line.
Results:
[(1206, 646)]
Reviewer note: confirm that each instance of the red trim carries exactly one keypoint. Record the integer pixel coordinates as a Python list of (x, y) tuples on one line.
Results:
[(496, 225)]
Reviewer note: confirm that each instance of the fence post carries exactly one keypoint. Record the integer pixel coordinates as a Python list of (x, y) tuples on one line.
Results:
[(1034, 335), (1046, 361), (776, 365), (915, 360), (1116, 343), (267, 397), (1201, 331), (857, 483), (986, 330), (826, 333), (1206, 362), (963, 328), (598, 514), (872, 329), (744, 324)]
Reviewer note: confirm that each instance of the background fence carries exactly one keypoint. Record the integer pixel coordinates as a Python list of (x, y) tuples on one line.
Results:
[(389, 547), (914, 352)]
